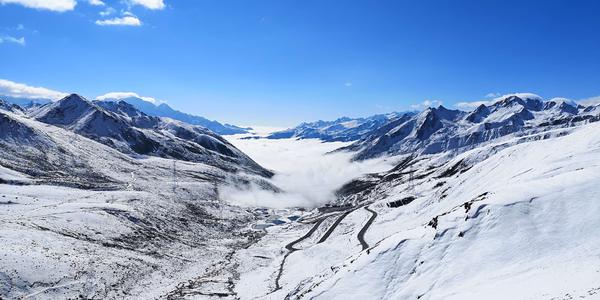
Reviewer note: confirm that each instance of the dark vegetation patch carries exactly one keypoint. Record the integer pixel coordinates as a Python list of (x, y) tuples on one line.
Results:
[(334, 208), (434, 222), (459, 167), (357, 186), (401, 202)]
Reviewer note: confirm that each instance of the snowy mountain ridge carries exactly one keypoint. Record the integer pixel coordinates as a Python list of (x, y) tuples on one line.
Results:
[(436, 130), (341, 130), (164, 110), (101, 200), (123, 127), (512, 219)]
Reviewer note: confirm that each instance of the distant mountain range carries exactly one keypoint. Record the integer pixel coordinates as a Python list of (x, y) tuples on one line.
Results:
[(164, 110), (25, 102), (343, 129), (439, 129)]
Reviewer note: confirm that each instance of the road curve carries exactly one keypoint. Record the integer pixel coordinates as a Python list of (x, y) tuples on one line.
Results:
[(290, 246), (361, 233), (291, 249), (333, 226)]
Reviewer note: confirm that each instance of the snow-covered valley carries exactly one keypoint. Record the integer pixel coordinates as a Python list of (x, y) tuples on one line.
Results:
[(514, 221), (92, 212)]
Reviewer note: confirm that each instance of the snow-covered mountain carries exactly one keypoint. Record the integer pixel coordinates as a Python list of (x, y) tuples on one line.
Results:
[(439, 129), (84, 217), (10, 106), (514, 219), (164, 110), (26, 102), (125, 128), (341, 130), (100, 200)]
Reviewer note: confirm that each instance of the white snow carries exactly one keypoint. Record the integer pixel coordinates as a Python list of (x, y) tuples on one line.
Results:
[(519, 221), (520, 95), (534, 235)]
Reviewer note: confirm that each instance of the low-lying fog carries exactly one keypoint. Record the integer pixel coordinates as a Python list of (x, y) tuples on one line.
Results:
[(304, 171)]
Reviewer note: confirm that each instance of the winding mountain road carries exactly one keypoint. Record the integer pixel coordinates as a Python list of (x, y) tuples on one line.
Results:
[(361, 233), (361, 237), (291, 249), (334, 225)]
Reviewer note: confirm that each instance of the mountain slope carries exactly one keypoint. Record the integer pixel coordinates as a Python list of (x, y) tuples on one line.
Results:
[(123, 127), (83, 220), (164, 110), (341, 130), (437, 130), (10, 107), (515, 219)]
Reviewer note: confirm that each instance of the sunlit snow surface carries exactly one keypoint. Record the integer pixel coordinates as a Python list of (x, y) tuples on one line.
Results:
[(519, 222), (150, 229)]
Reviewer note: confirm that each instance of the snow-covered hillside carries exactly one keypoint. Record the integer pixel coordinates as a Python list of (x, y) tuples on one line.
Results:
[(516, 219), (100, 200), (125, 128), (82, 219)]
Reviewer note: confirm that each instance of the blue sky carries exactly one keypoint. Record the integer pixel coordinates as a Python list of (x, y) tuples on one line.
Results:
[(279, 62)]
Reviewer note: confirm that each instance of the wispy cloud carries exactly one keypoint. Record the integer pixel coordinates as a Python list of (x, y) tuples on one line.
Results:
[(107, 12), (124, 95), (472, 104), (11, 39), (589, 101), (426, 104), (53, 5), (493, 95), (150, 4), (348, 84), (122, 21), (21, 90), (96, 2)]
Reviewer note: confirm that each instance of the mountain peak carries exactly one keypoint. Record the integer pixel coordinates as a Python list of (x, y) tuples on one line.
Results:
[(528, 100), (65, 111), (562, 105), (73, 98)]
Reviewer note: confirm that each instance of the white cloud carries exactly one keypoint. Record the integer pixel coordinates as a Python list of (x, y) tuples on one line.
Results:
[(493, 95), (108, 11), (589, 101), (10, 39), (53, 5), (123, 21), (150, 4), (96, 2), (426, 104), (20, 90), (124, 95), (472, 104), (306, 174)]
